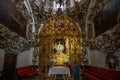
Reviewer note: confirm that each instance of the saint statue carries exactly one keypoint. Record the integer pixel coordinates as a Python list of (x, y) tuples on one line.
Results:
[(59, 46)]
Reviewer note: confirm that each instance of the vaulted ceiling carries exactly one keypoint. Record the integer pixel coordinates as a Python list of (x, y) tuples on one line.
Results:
[(25, 17)]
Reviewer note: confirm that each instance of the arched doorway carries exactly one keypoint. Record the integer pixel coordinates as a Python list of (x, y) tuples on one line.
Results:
[(60, 41)]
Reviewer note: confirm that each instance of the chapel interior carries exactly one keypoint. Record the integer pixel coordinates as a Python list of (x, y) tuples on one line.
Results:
[(59, 39)]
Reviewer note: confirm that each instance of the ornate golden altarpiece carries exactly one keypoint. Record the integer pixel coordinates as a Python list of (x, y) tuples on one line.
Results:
[(60, 41)]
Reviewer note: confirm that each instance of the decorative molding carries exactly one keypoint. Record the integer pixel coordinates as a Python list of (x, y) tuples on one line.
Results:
[(12, 42), (79, 13), (109, 42), (5, 36)]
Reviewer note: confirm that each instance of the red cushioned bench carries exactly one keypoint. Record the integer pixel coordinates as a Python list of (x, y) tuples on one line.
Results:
[(92, 77), (26, 71), (102, 73)]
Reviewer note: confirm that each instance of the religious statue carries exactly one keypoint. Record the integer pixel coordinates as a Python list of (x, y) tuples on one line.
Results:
[(59, 46)]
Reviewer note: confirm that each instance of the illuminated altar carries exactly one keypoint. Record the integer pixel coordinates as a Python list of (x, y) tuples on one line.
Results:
[(60, 41), (60, 59), (59, 70)]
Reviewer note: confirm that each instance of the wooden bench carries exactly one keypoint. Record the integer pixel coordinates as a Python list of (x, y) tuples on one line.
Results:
[(101, 74), (26, 71)]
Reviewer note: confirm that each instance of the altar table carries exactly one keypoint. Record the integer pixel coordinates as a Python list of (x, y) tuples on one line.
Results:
[(59, 70)]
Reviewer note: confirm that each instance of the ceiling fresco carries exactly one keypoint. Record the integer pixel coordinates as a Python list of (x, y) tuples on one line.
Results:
[(22, 21), (12, 18), (27, 17), (108, 17)]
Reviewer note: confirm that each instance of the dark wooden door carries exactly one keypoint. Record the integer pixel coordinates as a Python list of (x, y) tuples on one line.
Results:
[(9, 66)]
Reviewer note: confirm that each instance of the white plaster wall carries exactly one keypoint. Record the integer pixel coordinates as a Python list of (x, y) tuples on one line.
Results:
[(2, 53), (97, 58), (25, 58), (118, 54)]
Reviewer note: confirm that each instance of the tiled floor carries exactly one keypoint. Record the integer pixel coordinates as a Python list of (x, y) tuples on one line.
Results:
[(53, 77)]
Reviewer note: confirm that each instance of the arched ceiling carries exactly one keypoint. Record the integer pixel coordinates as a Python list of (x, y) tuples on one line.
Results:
[(108, 17), (37, 11)]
